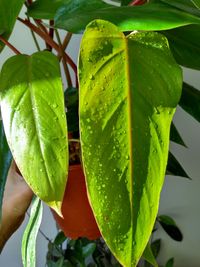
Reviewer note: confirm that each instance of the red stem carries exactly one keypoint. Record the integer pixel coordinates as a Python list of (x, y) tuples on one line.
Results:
[(51, 42), (137, 2), (9, 45)]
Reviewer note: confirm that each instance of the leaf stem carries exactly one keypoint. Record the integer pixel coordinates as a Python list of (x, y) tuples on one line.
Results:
[(60, 56), (3, 40), (50, 41)]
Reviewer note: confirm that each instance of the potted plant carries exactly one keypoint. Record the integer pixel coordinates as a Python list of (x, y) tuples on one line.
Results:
[(128, 85)]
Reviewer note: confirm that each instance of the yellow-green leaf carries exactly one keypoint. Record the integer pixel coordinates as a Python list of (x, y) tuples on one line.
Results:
[(32, 105), (129, 89)]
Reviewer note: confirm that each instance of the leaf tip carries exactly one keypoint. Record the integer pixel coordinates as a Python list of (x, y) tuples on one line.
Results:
[(56, 206)]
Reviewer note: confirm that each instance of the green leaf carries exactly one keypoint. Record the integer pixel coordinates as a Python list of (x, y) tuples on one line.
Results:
[(149, 257), (5, 161), (185, 5), (184, 44), (175, 168), (170, 227), (155, 247), (175, 136), (125, 2), (9, 11), (60, 238), (71, 102), (196, 3), (190, 100), (32, 105), (88, 249), (150, 17), (125, 122), (170, 263), (45, 9), (30, 234)]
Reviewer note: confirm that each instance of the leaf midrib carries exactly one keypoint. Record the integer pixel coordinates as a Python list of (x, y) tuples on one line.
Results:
[(30, 88), (130, 126)]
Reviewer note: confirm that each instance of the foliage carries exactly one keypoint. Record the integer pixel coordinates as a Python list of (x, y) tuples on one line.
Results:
[(119, 105)]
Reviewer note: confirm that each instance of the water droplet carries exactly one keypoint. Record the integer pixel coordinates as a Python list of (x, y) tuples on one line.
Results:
[(55, 105), (92, 77)]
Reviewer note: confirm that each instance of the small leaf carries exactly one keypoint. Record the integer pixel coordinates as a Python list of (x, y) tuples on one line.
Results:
[(32, 105), (149, 17), (149, 257), (184, 44), (9, 11), (175, 168), (155, 247), (170, 227), (175, 136), (170, 263), (88, 249), (30, 234), (5, 162), (60, 238), (190, 100)]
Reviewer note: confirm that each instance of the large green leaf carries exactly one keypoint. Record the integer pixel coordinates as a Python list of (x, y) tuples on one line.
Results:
[(45, 9), (30, 234), (32, 105), (196, 3), (5, 161), (184, 44), (190, 100), (151, 17), (125, 122), (185, 5), (9, 11)]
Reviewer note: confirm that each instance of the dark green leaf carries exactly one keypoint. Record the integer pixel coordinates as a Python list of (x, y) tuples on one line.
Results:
[(184, 44), (170, 263), (45, 9), (126, 121), (60, 238), (9, 11), (71, 102), (175, 136), (125, 2), (155, 247), (151, 17), (196, 3), (170, 227), (30, 234), (190, 101), (32, 105), (88, 249), (5, 161), (149, 257), (175, 168), (185, 5)]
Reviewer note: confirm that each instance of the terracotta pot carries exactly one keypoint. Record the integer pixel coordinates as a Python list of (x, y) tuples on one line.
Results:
[(78, 219)]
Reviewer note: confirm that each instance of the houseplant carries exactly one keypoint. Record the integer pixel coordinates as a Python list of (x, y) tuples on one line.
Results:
[(146, 85)]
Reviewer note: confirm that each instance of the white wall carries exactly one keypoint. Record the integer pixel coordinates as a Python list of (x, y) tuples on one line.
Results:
[(180, 197)]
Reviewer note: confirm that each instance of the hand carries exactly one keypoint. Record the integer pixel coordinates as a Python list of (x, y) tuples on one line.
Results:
[(17, 198)]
